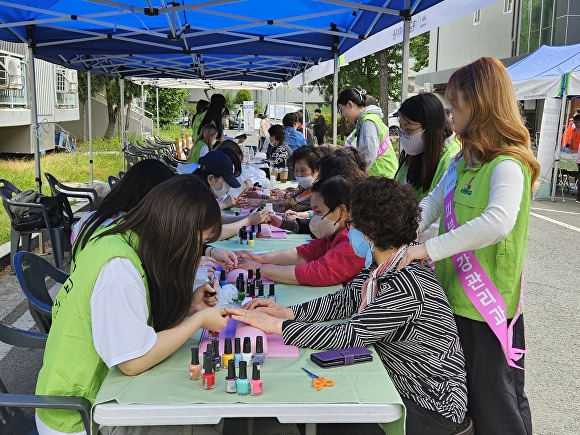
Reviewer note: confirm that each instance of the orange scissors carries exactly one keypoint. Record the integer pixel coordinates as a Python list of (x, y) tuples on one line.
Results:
[(318, 382)]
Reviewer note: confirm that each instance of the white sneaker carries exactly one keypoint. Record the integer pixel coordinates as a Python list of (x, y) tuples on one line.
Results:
[(577, 202)]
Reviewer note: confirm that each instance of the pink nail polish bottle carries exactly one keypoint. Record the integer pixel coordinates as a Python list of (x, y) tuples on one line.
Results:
[(256, 385)]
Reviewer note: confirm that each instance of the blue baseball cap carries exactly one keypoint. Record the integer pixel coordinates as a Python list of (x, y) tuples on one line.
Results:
[(220, 165)]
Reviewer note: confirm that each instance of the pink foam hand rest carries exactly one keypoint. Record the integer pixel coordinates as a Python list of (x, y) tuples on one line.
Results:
[(270, 231), (233, 274), (274, 346)]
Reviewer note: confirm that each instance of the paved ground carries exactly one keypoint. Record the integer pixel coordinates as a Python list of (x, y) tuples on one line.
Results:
[(551, 312)]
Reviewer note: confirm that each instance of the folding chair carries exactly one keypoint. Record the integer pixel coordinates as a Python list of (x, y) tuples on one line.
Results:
[(35, 275), (72, 192)]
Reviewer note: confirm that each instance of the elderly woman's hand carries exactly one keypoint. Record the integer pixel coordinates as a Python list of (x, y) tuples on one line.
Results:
[(257, 319), (268, 306), (416, 252)]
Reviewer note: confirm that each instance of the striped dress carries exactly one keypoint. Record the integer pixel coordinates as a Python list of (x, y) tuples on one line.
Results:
[(411, 326)]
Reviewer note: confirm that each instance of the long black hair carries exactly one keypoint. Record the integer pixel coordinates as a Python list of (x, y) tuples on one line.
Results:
[(213, 114), (135, 184), (169, 224), (357, 95), (427, 110)]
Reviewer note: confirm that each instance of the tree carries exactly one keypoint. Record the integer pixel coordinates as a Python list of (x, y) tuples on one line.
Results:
[(419, 50), (171, 103), (242, 95)]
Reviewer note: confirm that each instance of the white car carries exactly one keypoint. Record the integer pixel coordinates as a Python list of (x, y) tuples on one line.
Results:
[(393, 123)]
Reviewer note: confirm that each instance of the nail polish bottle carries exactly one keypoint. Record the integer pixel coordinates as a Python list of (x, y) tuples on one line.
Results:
[(247, 350), (237, 351), (271, 293), (254, 233), (208, 377), (195, 366), (216, 354), (258, 279), (242, 383), (240, 280), (260, 293), (259, 232), (228, 354), (240, 237), (231, 378), (241, 291), (256, 385), (250, 276), (223, 281), (251, 290), (209, 349), (251, 239), (244, 235), (259, 355)]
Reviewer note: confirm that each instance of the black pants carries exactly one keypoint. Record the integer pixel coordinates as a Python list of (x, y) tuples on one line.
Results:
[(319, 138), (497, 403), (421, 421), (578, 183)]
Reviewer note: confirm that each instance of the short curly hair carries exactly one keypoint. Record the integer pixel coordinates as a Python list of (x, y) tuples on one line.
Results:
[(385, 211), (308, 154)]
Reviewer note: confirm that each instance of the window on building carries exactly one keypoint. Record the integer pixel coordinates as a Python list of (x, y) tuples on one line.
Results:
[(476, 17), (507, 6)]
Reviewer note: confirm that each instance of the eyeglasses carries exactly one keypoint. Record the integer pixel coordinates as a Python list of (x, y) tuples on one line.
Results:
[(347, 224), (407, 134)]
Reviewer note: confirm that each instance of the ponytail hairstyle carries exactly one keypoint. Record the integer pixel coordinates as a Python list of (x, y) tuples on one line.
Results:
[(357, 95), (496, 126), (427, 110), (170, 223), (213, 114)]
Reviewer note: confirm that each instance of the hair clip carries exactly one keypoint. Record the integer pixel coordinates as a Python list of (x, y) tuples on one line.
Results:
[(360, 93)]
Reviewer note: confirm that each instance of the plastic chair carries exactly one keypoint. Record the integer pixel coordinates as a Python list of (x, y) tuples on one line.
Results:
[(22, 229), (72, 192), (32, 273), (113, 181), (12, 419)]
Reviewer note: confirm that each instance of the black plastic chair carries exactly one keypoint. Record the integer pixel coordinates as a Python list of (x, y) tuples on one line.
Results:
[(73, 192), (113, 181), (22, 228), (33, 274), (12, 419)]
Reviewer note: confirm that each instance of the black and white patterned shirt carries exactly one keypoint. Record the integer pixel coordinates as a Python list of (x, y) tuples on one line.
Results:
[(411, 327)]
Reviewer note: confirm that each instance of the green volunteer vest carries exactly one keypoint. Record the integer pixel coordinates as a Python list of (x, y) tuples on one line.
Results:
[(449, 150), (71, 365), (195, 152), (502, 261), (387, 164), (197, 123)]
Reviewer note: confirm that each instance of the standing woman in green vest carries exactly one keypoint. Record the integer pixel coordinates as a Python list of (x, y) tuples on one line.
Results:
[(484, 205), (370, 135), (129, 302), (212, 115)]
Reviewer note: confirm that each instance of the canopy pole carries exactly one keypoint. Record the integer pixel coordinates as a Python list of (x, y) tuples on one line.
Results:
[(556, 169), (303, 104), (335, 101), (90, 116), (34, 117), (157, 108), (405, 58), (122, 93), (142, 109)]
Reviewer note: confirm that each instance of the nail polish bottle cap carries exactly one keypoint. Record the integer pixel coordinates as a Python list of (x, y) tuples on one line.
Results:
[(259, 344), (244, 235), (222, 275), (247, 345), (256, 372), (258, 273), (250, 274), (194, 356), (238, 345), (251, 236), (209, 349), (241, 276), (271, 293), (207, 363), (243, 371), (259, 228), (243, 229), (260, 289), (231, 369), (251, 289), (228, 345), (253, 228), (216, 348)]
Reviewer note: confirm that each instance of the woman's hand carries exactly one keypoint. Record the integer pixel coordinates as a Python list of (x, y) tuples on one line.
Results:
[(247, 255), (258, 217), (275, 220), (416, 252), (214, 319), (253, 194), (204, 296), (247, 263), (257, 319), (226, 258), (291, 214), (228, 201), (268, 306)]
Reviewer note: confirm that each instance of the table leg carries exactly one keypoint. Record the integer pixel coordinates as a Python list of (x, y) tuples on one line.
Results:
[(310, 429), (250, 426)]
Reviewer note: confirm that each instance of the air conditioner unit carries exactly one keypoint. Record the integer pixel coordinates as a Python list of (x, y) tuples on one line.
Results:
[(428, 87), (10, 73), (71, 83)]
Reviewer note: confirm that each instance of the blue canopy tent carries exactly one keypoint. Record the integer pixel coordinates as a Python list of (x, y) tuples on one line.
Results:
[(249, 40), (549, 73)]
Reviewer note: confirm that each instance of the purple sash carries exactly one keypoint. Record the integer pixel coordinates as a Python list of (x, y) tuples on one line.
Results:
[(477, 284)]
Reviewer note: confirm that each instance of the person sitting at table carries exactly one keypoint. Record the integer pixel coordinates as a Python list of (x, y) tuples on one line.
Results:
[(294, 138), (281, 152), (327, 260), (128, 302), (404, 315), (204, 143)]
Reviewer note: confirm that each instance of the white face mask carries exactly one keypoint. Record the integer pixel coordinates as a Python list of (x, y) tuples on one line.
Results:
[(322, 226), (221, 192), (305, 182), (213, 141), (413, 145)]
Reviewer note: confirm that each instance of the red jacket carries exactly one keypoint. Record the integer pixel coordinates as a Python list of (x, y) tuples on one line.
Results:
[(329, 261)]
